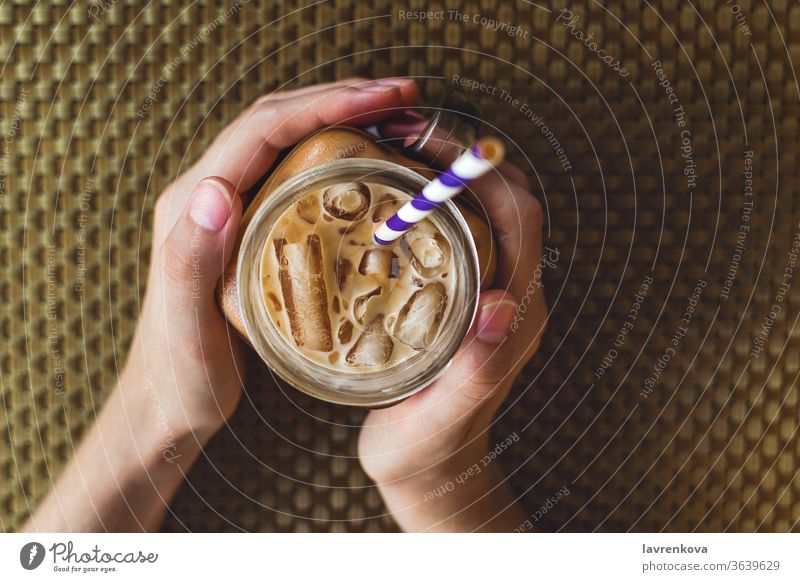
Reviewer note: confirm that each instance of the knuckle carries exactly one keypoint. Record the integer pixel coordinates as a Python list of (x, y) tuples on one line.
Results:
[(521, 179), (162, 207), (540, 326), (531, 211), (516, 175), (263, 100), (175, 266), (264, 112), (484, 382), (479, 390), (482, 388), (166, 203)]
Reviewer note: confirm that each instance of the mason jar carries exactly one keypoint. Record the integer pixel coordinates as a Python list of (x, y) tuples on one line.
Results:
[(357, 387)]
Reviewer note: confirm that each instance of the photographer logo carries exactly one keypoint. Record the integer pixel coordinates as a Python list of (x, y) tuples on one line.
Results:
[(31, 555)]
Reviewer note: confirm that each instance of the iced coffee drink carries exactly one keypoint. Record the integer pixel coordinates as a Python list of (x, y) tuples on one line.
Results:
[(334, 314), (344, 302)]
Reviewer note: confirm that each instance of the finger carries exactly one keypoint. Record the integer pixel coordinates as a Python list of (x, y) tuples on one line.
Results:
[(482, 369), (439, 146), (196, 250), (246, 149), (516, 175), (361, 83), (282, 93), (515, 217), (504, 197), (409, 125)]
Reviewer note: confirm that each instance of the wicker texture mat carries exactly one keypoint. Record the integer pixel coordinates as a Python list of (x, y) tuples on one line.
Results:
[(639, 167)]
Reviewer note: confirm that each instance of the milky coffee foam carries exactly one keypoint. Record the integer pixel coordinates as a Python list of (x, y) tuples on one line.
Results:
[(340, 299)]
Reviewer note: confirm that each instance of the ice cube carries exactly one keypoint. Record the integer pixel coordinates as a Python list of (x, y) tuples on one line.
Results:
[(304, 294), (309, 209), (360, 304), (429, 250), (420, 317), (377, 262), (373, 347), (349, 201), (385, 208)]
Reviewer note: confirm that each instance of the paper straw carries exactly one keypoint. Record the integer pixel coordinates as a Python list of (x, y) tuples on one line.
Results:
[(484, 155)]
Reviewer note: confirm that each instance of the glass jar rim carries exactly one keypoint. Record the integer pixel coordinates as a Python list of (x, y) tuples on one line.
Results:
[(311, 377)]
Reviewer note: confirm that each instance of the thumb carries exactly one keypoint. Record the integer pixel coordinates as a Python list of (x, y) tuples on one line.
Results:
[(483, 367), (196, 250)]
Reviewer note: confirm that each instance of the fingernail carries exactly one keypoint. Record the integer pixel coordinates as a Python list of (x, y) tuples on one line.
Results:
[(210, 206), (410, 140), (395, 81), (494, 320)]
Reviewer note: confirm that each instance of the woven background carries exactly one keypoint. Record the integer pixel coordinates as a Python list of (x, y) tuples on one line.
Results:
[(713, 447)]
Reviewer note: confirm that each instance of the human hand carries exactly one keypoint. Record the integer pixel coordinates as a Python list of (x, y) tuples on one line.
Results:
[(435, 435), (181, 381), (183, 343)]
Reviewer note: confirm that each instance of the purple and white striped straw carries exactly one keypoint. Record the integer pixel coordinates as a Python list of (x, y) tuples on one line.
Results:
[(484, 155)]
